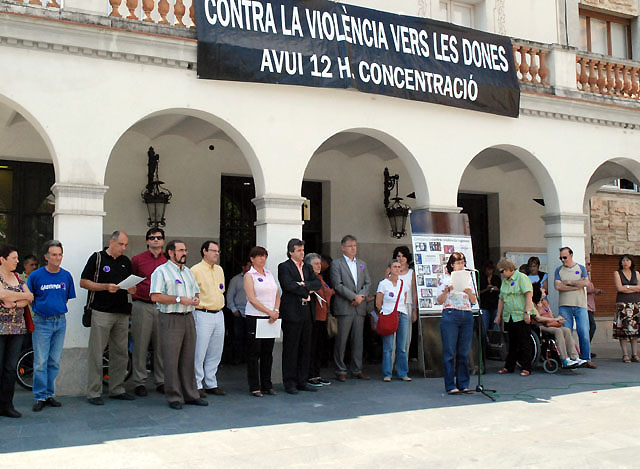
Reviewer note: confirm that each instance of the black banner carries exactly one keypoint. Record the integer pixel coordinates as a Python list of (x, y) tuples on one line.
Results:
[(333, 45)]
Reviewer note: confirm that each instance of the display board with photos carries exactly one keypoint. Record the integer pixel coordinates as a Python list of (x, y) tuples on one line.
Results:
[(430, 254)]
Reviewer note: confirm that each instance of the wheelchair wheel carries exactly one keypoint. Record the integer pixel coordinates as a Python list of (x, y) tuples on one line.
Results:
[(550, 365), (24, 369), (534, 349)]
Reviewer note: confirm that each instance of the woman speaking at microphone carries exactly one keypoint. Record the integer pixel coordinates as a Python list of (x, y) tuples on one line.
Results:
[(456, 327)]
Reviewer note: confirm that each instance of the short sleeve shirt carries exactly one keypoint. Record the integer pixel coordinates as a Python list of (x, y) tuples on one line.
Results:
[(171, 280), (455, 299), (572, 298), (51, 291), (390, 296), (512, 293), (111, 271)]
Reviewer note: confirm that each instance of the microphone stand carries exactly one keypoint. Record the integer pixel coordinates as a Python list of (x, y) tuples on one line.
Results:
[(480, 360)]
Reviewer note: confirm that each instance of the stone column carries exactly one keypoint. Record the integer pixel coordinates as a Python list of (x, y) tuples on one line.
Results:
[(279, 218), (77, 223), (563, 229)]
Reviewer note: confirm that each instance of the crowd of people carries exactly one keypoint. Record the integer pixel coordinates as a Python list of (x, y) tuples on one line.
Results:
[(178, 311)]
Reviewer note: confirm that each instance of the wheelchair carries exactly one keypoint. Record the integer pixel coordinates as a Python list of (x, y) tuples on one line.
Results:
[(543, 350)]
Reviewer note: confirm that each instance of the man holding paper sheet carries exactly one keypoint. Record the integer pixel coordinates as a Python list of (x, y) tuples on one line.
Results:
[(298, 282), (109, 317)]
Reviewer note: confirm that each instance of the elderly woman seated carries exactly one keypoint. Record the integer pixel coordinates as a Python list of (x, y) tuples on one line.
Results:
[(552, 325)]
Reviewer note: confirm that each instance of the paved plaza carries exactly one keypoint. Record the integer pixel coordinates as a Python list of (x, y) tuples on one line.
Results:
[(584, 418)]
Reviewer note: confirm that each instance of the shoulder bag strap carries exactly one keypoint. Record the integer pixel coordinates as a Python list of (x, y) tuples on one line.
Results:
[(395, 308), (92, 293)]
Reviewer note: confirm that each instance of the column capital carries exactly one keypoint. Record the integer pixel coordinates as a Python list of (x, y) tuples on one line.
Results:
[(79, 199), (278, 209), (441, 208), (565, 225)]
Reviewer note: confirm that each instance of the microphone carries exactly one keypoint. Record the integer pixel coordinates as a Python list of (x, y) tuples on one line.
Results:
[(471, 270)]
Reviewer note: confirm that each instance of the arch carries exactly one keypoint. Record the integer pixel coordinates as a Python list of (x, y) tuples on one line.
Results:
[(35, 123), (533, 164), (400, 150), (607, 171), (226, 127)]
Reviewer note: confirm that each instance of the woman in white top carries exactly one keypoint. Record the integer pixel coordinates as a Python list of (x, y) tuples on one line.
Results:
[(263, 303), (391, 291), (456, 327), (408, 276)]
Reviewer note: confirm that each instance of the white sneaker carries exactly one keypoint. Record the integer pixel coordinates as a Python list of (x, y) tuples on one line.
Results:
[(580, 361), (568, 363)]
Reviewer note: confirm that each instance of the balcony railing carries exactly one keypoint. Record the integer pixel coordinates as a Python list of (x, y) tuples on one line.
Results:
[(531, 62), (606, 76), (178, 13), (44, 3)]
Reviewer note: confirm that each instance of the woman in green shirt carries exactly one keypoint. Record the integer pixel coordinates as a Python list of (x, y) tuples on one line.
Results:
[(514, 306)]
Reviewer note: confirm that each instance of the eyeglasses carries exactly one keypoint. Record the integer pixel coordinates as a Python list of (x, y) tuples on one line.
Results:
[(563, 258), (501, 271), (151, 238)]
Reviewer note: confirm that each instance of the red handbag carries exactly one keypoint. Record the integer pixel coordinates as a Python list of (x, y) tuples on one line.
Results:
[(388, 323), (28, 319)]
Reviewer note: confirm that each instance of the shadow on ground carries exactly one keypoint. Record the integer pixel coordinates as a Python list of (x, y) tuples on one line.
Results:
[(78, 423)]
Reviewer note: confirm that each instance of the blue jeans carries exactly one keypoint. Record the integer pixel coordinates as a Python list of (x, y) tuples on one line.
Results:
[(456, 328), (582, 327), (48, 338), (402, 362), (488, 320)]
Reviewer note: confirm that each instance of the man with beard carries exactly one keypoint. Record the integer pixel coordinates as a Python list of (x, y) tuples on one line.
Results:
[(174, 289)]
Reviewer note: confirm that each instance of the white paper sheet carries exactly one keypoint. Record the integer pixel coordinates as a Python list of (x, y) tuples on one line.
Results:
[(130, 281), (265, 330), (460, 280)]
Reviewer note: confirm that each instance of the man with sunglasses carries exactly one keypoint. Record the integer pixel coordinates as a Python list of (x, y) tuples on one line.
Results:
[(571, 279), (144, 315)]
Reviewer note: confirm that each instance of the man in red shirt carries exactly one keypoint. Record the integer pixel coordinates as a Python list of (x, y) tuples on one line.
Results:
[(144, 315)]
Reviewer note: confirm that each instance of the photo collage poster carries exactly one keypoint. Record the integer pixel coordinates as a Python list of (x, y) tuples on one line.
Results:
[(430, 256)]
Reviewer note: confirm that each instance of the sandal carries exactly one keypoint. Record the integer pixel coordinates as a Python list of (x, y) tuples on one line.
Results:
[(504, 371), (626, 359), (257, 394), (453, 391), (466, 391), (525, 373), (635, 358)]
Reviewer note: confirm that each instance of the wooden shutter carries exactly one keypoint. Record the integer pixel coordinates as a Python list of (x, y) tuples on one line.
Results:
[(602, 269)]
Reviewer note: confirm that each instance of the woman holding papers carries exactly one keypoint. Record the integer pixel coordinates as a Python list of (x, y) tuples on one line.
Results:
[(456, 295), (263, 303), (392, 294), (320, 305)]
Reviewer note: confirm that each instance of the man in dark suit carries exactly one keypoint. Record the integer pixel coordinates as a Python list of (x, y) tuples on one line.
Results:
[(298, 282), (351, 282)]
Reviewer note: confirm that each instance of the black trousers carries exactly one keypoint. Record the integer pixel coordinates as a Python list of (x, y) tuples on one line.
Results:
[(10, 347), (319, 347), (592, 325), (296, 350), (259, 358), (519, 345)]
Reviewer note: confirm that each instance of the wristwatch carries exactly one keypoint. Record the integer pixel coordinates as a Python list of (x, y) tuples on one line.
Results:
[(177, 299)]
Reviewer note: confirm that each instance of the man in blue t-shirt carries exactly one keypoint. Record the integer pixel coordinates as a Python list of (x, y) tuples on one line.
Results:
[(52, 287)]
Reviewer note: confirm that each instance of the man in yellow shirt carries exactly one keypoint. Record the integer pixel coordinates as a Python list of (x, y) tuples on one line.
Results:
[(209, 319)]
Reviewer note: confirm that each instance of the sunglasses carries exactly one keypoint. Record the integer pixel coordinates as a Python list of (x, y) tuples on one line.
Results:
[(151, 238), (501, 271), (563, 258)]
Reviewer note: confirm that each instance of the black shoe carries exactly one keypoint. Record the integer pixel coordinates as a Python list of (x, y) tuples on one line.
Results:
[(291, 390), (306, 387), (11, 413), (269, 392), (38, 406), (52, 402), (95, 401), (140, 391), (175, 405), (125, 396), (593, 355), (198, 402), (324, 382), (160, 388)]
